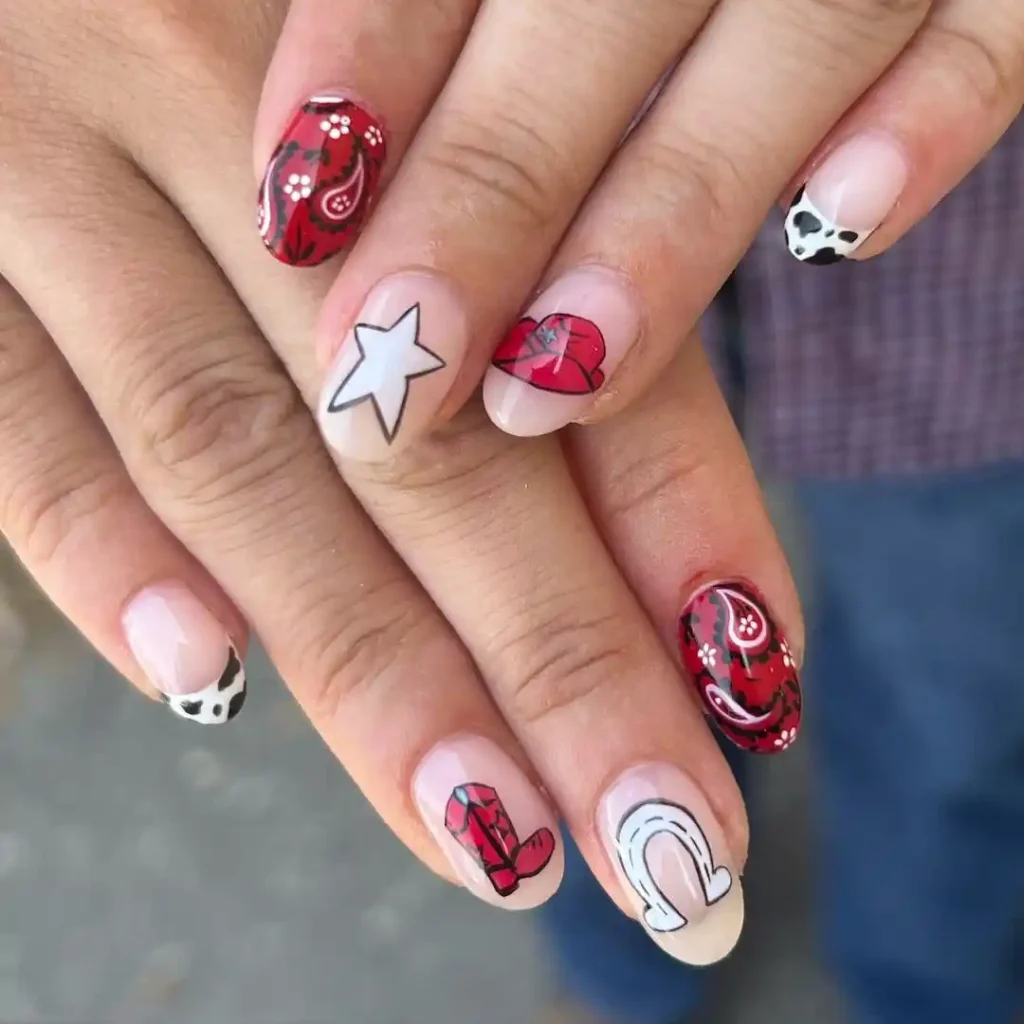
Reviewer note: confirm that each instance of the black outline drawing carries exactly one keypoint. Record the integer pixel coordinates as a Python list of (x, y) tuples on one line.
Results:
[(662, 817), (371, 396)]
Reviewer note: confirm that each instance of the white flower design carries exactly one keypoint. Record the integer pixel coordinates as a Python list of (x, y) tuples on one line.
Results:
[(707, 655), (787, 654), (336, 125), (785, 738), (298, 186), (748, 625), (374, 136)]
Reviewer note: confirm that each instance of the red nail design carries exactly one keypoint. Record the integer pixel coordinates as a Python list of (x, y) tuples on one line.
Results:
[(562, 353), (742, 667), (320, 181), (478, 821)]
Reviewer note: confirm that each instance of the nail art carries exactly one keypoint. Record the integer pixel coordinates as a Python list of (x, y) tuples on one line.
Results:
[(219, 702), (499, 834), (479, 823), (320, 181), (671, 857), (742, 667), (846, 199), (186, 654), (387, 382), (548, 369)]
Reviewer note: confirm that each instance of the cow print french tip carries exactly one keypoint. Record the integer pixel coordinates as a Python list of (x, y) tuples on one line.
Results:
[(219, 702), (812, 238)]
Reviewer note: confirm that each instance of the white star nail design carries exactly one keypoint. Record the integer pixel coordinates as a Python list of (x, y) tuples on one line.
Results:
[(389, 357)]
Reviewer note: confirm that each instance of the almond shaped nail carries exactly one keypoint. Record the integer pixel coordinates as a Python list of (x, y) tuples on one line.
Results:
[(185, 653), (320, 181), (742, 666), (550, 367), (672, 861), (394, 367), (497, 831)]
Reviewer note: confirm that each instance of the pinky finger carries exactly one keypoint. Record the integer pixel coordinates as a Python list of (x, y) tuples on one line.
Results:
[(74, 518), (923, 127)]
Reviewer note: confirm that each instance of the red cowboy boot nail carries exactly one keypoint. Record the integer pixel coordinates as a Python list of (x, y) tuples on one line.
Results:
[(479, 825), (320, 181), (742, 667)]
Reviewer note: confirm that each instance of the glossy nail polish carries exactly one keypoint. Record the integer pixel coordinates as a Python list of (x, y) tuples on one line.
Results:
[(320, 181), (673, 863), (495, 828), (185, 654), (846, 199), (394, 367), (742, 667), (550, 367)]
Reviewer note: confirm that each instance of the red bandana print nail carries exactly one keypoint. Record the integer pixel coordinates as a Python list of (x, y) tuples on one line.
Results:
[(742, 667), (477, 819), (562, 354), (320, 181)]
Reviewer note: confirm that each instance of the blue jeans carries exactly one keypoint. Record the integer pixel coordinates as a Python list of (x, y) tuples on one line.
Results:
[(916, 724)]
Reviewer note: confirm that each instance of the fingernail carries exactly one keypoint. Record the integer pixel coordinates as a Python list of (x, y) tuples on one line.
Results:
[(185, 653), (742, 667), (498, 832), (548, 370), (673, 863), (394, 368), (846, 199), (320, 181)]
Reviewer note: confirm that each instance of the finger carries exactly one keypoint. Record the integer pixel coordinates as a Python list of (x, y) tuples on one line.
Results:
[(688, 192), (342, 70), (570, 658), (672, 491), (504, 158), (949, 98), (73, 517), (223, 450)]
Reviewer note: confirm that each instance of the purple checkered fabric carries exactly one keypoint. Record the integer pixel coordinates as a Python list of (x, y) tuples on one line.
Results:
[(909, 363)]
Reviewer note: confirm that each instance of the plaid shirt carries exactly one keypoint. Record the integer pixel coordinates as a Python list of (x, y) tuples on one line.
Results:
[(911, 362)]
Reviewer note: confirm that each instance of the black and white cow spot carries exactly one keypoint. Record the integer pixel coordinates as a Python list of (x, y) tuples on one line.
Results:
[(813, 239), (219, 702)]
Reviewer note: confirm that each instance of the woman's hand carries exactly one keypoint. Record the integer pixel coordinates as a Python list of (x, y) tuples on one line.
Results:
[(478, 637), (538, 97)]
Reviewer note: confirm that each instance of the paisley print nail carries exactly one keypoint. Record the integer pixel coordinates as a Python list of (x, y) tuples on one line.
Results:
[(742, 667), (320, 181)]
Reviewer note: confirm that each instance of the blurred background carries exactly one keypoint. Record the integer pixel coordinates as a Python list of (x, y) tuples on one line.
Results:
[(153, 872)]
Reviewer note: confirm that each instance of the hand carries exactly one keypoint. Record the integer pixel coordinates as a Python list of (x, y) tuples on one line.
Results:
[(514, 168), (477, 625)]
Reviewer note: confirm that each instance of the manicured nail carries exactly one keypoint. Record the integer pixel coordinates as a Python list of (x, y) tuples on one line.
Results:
[(546, 373), (673, 863), (846, 199), (394, 368), (498, 832), (743, 669), (320, 181), (185, 654)]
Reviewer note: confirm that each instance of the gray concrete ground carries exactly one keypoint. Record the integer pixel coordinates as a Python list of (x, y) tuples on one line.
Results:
[(159, 873)]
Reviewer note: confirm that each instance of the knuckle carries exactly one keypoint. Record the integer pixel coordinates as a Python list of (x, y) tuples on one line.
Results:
[(700, 178), (350, 645), (654, 480), (42, 513), (562, 660), (976, 65), (504, 164), (214, 428)]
